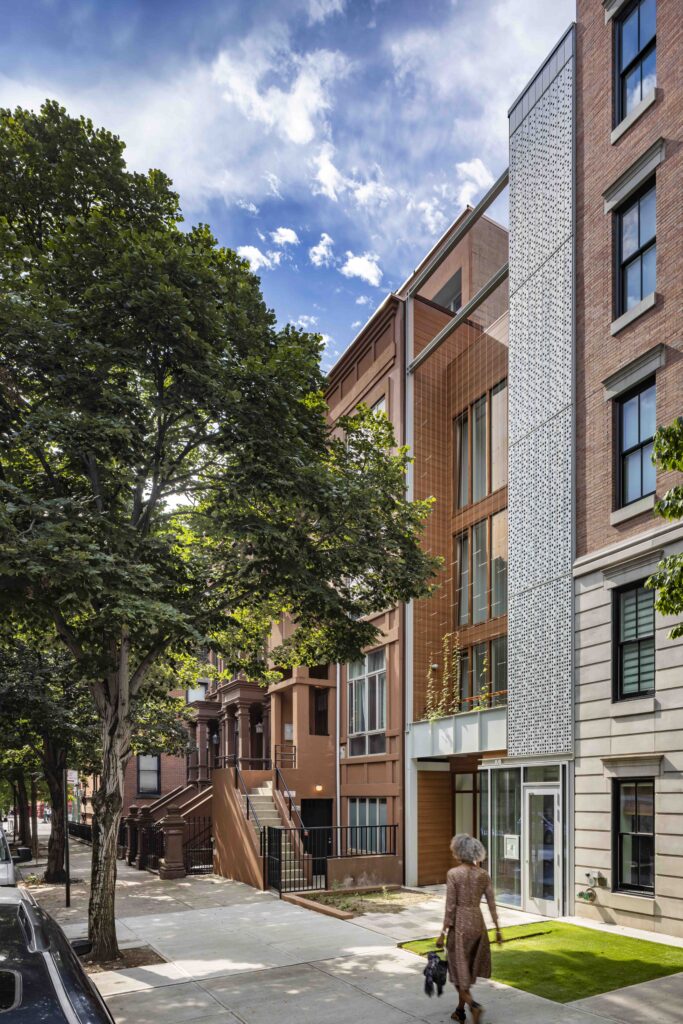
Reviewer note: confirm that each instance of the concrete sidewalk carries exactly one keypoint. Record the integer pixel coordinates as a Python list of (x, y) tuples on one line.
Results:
[(238, 955)]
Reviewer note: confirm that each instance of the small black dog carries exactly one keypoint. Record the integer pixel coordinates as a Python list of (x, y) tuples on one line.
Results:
[(436, 974)]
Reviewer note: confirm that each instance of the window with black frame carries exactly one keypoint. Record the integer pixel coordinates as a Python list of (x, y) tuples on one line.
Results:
[(636, 56), (637, 249), (634, 835), (149, 774), (635, 641), (636, 413)]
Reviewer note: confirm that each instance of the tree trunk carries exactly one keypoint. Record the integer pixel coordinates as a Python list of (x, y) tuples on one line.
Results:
[(114, 709), (54, 871), (24, 815)]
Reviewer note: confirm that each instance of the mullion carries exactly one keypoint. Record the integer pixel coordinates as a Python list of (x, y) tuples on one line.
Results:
[(638, 59)]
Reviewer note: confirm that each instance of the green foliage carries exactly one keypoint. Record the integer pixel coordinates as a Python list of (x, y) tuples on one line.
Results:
[(444, 688), (668, 579)]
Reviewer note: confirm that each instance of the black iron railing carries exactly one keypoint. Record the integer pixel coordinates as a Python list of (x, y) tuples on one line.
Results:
[(80, 830), (282, 787), (296, 859), (198, 847), (151, 838)]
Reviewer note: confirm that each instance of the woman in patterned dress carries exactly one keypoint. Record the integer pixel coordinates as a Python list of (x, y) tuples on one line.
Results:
[(469, 952)]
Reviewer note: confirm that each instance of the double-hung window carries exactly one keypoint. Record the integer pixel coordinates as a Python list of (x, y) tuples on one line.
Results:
[(636, 56), (634, 835), (635, 641), (367, 703), (636, 429), (637, 245), (149, 774)]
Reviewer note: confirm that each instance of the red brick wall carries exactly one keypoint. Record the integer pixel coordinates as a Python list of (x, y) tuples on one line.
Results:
[(599, 164), (173, 770)]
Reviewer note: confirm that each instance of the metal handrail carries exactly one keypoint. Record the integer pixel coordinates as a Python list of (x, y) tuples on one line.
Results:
[(239, 781), (279, 777)]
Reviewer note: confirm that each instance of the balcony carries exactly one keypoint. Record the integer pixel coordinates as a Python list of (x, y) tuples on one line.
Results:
[(470, 732)]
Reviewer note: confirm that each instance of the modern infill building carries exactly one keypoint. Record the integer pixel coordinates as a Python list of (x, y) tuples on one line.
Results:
[(534, 699)]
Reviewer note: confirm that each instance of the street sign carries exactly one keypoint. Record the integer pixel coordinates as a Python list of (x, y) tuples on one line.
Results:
[(71, 776)]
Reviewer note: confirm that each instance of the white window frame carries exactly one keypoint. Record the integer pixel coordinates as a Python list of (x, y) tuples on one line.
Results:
[(359, 678)]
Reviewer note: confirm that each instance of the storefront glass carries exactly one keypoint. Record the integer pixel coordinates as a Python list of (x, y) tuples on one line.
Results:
[(506, 835)]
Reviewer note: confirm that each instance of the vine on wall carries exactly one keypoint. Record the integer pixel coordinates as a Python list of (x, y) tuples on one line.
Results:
[(444, 696)]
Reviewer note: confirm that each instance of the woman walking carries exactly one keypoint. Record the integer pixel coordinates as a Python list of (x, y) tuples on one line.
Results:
[(469, 952)]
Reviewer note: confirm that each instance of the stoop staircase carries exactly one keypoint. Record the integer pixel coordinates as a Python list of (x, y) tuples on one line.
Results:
[(293, 860)]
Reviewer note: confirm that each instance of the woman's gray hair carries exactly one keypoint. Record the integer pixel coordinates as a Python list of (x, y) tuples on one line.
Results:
[(468, 849)]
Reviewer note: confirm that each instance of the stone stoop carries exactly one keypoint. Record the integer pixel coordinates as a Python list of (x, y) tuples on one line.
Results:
[(261, 799)]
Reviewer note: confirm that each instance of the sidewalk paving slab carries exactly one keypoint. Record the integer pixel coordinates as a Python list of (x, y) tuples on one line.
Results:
[(660, 1000)]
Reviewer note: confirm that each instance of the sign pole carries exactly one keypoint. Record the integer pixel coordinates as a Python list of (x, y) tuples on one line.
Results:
[(67, 865)]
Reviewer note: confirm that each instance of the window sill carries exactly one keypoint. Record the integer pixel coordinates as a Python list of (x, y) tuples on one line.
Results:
[(627, 318), (637, 903), (635, 114), (633, 706), (636, 508)]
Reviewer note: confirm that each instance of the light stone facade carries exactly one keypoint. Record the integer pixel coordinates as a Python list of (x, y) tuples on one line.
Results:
[(642, 738)]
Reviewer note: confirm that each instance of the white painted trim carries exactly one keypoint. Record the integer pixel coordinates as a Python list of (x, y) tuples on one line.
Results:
[(636, 113), (632, 314), (631, 570), (636, 175), (636, 508), (639, 369)]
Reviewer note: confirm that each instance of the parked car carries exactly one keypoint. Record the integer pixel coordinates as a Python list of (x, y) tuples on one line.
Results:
[(8, 860), (41, 977)]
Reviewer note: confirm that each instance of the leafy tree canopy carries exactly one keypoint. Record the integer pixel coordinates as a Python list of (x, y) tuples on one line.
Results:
[(668, 579)]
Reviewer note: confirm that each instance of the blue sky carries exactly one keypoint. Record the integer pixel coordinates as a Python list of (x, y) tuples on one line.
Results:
[(330, 141)]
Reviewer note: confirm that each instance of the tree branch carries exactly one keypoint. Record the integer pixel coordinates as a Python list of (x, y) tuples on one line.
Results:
[(138, 676), (66, 635)]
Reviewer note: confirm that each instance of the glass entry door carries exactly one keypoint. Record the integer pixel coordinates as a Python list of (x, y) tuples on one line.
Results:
[(543, 853)]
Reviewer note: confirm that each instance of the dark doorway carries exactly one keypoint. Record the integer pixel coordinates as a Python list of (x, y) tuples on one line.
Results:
[(317, 818)]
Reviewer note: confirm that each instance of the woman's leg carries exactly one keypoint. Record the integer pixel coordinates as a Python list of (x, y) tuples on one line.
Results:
[(466, 998)]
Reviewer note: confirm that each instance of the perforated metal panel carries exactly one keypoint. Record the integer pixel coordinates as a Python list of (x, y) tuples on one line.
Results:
[(540, 506)]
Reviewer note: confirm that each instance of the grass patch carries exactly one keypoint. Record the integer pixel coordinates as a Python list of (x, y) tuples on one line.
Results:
[(380, 901), (565, 962)]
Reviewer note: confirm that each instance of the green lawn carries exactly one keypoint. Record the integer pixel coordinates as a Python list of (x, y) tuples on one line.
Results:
[(566, 962)]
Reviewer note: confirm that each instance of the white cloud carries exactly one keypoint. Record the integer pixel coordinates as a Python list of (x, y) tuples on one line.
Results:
[(372, 193), (365, 267), (293, 111), (355, 324), (249, 207), (255, 257), (474, 177), (327, 340), (285, 236), (306, 322), (433, 217), (274, 185), (274, 255), (319, 10), (363, 300), (330, 182), (320, 255)]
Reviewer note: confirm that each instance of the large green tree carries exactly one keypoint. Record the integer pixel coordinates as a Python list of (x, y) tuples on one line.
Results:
[(167, 471), (668, 579)]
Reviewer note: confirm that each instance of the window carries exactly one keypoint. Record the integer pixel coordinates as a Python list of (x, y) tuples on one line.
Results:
[(149, 774), (636, 56), (480, 581), (486, 685), (479, 488), (480, 571), (367, 695), (499, 669), (637, 244), (319, 705), (499, 564), (380, 405), (450, 296), (636, 427), (364, 813), (635, 641), (633, 832), (462, 461), (480, 447)]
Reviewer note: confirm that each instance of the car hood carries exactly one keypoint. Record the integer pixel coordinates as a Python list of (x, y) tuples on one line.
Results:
[(7, 873)]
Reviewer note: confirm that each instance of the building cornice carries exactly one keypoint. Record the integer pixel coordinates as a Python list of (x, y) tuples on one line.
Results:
[(629, 549)]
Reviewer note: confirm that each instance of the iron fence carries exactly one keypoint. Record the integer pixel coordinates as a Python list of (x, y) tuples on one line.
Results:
[(152, 846), (80, 830), (198, 847), (296, 859)]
